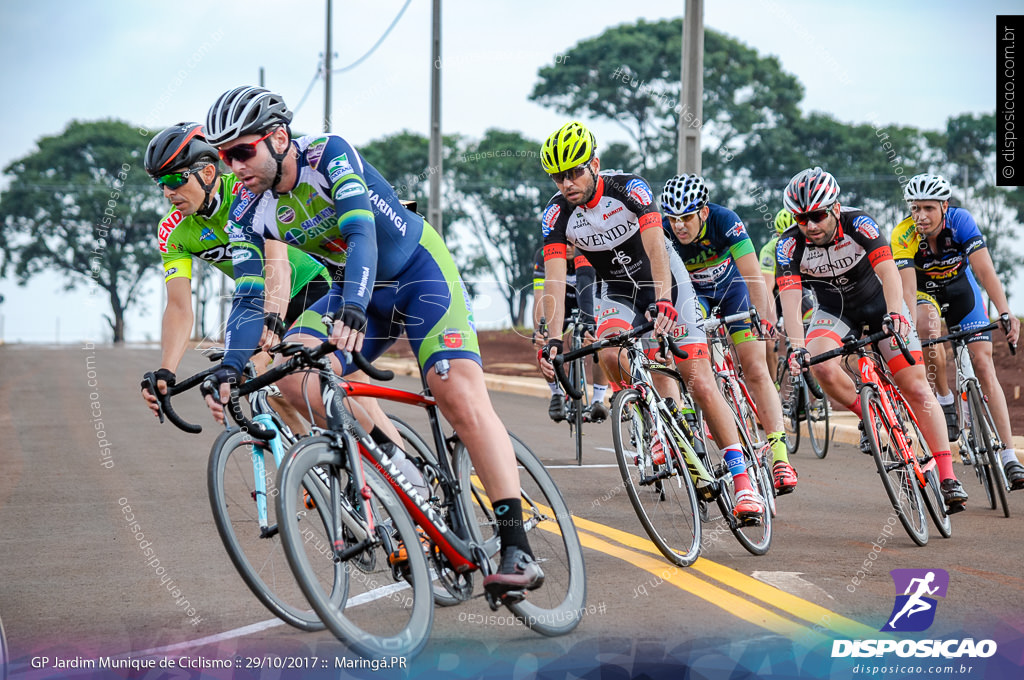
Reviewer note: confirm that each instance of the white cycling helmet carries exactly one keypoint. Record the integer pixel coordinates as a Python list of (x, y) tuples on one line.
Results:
[(925, 187), (684, 194)]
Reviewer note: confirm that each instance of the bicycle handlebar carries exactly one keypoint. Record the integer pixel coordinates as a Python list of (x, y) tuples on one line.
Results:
[(300, 357), (852, 345), (164, 400), (618, 340), (713, 322)]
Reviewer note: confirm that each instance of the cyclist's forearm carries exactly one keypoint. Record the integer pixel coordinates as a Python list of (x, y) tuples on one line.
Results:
[(892, 285), (909, 278), (278, 278), (554, 295), (985, 272), (791, 299), (176, 329), (657, 250)]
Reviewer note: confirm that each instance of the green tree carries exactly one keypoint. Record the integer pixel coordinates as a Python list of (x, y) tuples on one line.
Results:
[(630, 74), (502, 190), (82, 205)]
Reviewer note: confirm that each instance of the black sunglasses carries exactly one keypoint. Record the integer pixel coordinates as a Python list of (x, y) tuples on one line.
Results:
[(570, 174)]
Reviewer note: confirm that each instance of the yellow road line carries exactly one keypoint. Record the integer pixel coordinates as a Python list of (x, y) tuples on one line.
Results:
[(730, 602), (791, 604)]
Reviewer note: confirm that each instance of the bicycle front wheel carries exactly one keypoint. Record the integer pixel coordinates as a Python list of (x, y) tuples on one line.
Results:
[(389, 610), (665, 503), (242, 483), (893, 466), (932, 491), (578, 379), (555, 608), (817, 420), (987, 450)]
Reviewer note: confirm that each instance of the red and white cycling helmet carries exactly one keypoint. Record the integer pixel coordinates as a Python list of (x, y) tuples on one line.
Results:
[(809, 190)]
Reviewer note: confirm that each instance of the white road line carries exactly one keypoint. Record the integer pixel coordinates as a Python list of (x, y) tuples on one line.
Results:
[(370, 596), (790, 582), (577, 467)]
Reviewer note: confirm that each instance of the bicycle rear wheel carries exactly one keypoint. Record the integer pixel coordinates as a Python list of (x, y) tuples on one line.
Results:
[(256, 552), (555, 608), (754, 535), (389, 610), (817, 419), (903, 491), (665, 505), (450, 587), (987, 450)]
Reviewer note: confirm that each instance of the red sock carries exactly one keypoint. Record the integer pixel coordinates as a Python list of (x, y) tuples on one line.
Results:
[(855, 407), (944, 462)]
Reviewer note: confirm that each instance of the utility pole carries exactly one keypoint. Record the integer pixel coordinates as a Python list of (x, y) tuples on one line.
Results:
[(327, 73), (434, 206), (692, 94)]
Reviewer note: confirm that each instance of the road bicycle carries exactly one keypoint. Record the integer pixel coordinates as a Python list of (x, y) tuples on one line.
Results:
[(242, 485), (979, 440), (457, 526), (901, 453), (577, 409), (803, 400), (670, 492)]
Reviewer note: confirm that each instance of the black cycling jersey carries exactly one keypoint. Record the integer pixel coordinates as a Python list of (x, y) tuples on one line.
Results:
[(607, 230), (841, 274)]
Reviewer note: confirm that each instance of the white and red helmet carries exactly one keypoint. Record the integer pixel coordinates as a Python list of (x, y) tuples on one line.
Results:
[(809, 190)]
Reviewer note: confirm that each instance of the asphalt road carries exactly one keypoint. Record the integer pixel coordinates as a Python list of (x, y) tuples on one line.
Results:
[(74, 583)]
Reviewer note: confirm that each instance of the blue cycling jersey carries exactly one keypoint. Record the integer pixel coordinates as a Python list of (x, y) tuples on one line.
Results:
[(711, 257), (342, 211)]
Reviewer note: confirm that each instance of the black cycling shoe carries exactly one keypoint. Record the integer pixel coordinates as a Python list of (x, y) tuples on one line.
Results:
[(598, 412), (518, 573), (865, 445), (556, 409), (954, 495), (1014, 474), (952, 426)]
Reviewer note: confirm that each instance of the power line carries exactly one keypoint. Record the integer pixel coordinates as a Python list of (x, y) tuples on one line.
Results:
[(373, 49), (316, 76)]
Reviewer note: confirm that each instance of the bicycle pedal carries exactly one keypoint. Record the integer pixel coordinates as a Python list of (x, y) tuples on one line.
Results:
[(513, 597), (955, 508)]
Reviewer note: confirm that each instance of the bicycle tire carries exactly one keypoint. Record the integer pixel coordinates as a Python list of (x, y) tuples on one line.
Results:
[(932, 491), (5, 653), (369, 631), (556, 608), (790, 399), (817, 420), (986, 437), (667, 508), (754, 536), (259, 558), (892, 467), (450, 587), (578, 379), (764, 471)]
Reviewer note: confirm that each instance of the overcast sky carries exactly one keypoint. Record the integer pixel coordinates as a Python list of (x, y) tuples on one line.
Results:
[(153, 64)]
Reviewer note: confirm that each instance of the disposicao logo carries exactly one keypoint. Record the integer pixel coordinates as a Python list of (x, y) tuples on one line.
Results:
[(913, 611)]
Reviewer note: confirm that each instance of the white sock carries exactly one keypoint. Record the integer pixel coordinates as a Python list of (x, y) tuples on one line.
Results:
[(599, 392), (945, 400), (1008, 456), (555, 388)]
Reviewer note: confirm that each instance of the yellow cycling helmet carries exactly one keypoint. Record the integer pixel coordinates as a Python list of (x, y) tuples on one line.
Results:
[(572, 145), (783, 220)]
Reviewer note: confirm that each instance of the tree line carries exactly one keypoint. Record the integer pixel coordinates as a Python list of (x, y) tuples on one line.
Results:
[(754, 138)]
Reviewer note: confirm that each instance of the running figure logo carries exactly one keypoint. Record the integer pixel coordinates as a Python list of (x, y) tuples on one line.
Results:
[(914, 610)]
